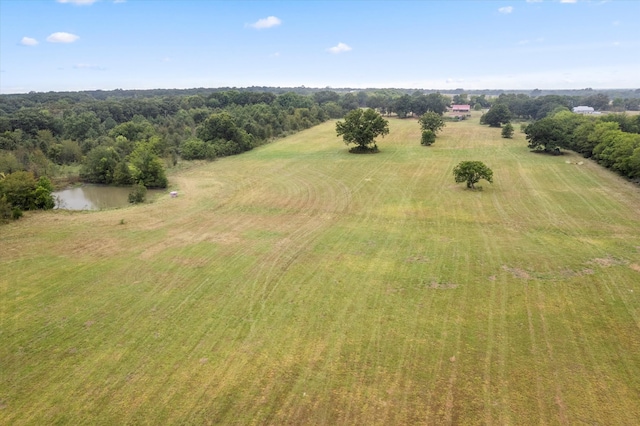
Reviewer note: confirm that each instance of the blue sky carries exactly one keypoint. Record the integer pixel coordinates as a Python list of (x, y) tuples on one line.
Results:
[(59, 45)]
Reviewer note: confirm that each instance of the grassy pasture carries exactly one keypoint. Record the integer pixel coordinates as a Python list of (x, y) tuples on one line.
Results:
[(300, 284)]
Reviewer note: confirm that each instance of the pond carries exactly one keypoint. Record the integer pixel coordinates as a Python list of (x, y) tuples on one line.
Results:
[(95, 197)]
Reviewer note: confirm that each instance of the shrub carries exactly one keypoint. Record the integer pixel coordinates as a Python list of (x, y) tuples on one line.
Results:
[(507, 131), (428, 138), (138, 193)]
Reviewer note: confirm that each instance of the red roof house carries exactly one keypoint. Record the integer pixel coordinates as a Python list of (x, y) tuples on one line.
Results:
[(461, 108)]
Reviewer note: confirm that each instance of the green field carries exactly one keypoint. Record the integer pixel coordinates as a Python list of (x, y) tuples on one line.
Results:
[(301, 284)]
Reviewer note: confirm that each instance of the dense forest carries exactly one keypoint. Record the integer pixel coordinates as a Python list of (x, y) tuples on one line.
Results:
[(125, 137)]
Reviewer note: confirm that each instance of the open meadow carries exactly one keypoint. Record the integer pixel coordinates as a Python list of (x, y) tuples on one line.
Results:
[(301, 284)]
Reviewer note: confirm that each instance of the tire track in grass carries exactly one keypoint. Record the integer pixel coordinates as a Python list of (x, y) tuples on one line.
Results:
[(312, 216), (296, 241), (582, 349), (488, 356), (535, 352), (550, 355), (453, 406), (436, 410), (497, 297)]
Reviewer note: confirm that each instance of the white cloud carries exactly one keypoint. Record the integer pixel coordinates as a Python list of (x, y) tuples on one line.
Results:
[(534, 1), (268, 22), (78, 2), (88, 67), (568, 1), (339, 48), (28, 41), (506, 10), (62, 37)]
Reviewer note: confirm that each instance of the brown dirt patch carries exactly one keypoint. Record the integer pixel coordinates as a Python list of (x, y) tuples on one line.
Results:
[(517, 272), (606, 262), (441, 286), (570, 273), (416, 259), (635, 267), (195, 262), (94, 245)]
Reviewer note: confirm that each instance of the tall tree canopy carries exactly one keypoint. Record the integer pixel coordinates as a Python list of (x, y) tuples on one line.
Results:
[(361, 127), (496, 116), (471, 172)]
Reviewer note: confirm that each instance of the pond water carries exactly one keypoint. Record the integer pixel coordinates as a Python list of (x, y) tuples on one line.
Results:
[(95, 197)]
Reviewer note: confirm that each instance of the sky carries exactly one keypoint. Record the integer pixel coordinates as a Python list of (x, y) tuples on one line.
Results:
[(72, 45)]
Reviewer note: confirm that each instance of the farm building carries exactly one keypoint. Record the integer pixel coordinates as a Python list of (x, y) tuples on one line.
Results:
[(461, 108), (583, 110)]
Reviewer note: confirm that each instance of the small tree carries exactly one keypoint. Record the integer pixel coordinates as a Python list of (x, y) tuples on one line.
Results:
[(42, 198), (428, 138), (138, 193), (431, 121), (471, 172), (361, 127), (507, 131)]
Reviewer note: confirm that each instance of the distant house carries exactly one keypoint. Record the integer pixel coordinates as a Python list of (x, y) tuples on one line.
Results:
[(583, 110), (461, 108)]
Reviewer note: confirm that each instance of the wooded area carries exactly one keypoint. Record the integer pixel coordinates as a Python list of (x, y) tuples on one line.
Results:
[(131, 137)]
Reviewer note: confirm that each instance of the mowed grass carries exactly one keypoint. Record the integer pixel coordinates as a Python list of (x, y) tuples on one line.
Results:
[(301, 284)]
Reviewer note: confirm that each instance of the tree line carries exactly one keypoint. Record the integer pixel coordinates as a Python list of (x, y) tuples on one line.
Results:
[(125, 140), (613, 140), (132, 141)]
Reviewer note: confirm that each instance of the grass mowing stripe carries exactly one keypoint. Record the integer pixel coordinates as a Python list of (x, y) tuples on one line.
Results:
[(298, 283)]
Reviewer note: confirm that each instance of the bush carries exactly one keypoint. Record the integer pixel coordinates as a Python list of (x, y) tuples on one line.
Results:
[(16, 213), (507, 131), (196, 149), (428, 138), (5, 209), (138, 194)]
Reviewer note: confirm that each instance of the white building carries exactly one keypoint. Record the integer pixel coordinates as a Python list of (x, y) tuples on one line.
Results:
[(583, 110)]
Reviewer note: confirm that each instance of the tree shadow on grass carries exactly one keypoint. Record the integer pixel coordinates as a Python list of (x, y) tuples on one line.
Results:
[(364, 150)]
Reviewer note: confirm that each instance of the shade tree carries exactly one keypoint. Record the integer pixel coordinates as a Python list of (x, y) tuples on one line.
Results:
[(361, 128), (496, 116), (471, 172)]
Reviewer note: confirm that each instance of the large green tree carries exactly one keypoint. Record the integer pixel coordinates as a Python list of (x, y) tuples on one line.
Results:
[(361, 127), (545, 135), (437, 103), (100, 164), (146, 167), (20, 190), (496, 116), (471, 172), (402, 106), (222, 130)]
